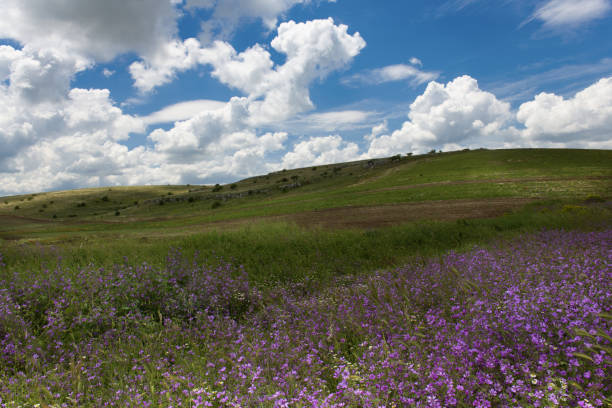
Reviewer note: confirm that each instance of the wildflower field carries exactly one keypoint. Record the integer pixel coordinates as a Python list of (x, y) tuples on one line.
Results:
[(521, 322)]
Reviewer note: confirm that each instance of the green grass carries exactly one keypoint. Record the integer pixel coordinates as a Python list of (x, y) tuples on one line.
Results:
[(102, 225), (281, 252)]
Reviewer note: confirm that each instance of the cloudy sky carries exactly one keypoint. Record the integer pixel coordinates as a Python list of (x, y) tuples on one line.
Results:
[(131, 92)]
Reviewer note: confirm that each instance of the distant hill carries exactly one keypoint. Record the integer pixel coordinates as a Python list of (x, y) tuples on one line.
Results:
[(368, 193)]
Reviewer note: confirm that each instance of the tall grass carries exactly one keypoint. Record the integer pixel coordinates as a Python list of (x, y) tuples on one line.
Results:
[(278, 252)]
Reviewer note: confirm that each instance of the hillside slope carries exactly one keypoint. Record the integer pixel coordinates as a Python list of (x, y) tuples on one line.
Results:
[(369, 193)]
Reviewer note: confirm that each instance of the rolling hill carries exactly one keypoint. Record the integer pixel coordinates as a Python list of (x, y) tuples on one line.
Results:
[(333, 218)]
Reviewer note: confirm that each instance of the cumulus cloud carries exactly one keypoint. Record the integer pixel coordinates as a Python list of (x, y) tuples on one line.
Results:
[(77, 143), (313, 49), (570, 13), (391, 73), (162, 66), (228, 14), (33, 96), (584, 120), (377, 130), (320, 150), (458, 113), (57, 137), (224, 140), (90, 28)]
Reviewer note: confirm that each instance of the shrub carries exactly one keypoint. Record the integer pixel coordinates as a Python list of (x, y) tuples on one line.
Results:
[(233, 186), (216, 204), (595, 199), (217, 187)]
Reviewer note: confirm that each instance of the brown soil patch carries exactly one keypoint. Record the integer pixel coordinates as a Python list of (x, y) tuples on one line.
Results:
[(389, 215), (368, 217)]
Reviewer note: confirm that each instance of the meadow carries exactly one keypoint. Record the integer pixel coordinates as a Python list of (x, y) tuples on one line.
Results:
[(522, 322), (474, 278)]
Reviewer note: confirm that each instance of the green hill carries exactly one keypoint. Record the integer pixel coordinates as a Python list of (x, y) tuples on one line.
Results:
[(496, 189)]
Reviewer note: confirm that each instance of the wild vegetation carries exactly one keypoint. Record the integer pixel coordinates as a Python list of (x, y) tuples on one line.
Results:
[(461, 279), (524, 322)]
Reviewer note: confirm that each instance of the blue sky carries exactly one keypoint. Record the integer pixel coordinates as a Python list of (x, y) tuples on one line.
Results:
[(205, 91)]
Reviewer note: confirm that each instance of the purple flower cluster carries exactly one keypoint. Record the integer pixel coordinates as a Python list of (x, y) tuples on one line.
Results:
[(525, 322)]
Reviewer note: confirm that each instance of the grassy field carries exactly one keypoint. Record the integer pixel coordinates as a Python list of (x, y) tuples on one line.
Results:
[(323, 220), (473, 278)]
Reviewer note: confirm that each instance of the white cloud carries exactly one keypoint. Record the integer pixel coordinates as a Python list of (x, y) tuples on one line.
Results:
[(416, 61), (313, 50), (90, 28), (55, 137), (456, 113), (39, 76), (584, 120), (228, 14), (8, 55), (459, 114), (391, 73), (331, 121), (562, 13), (215, 143), (377, 130), (74, 144), (161, 67), (108, 73), (182, 111), (320, 150)]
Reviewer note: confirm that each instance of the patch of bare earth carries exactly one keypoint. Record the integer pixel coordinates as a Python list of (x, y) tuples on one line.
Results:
[(389, 215)]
